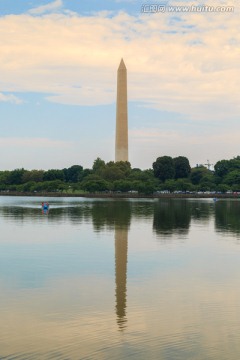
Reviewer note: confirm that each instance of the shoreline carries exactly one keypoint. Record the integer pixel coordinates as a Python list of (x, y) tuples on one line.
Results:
[(125, 195)]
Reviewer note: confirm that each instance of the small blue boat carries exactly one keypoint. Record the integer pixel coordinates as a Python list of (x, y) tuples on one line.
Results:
[(45, 206)]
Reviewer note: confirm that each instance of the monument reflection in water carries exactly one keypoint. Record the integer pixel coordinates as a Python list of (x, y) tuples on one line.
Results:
[(121, 249), (171, 294), (170, 217), (116, 215)]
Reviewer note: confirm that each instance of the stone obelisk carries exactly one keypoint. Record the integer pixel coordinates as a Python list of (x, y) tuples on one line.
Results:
[(121, 145)]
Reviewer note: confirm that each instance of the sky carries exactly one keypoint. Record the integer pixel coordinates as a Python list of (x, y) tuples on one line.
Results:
[(58, 71)]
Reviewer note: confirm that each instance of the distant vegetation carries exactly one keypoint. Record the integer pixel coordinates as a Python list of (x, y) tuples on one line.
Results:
[(167, 174)]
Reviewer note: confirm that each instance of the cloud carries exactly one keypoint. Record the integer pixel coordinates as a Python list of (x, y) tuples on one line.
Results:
[(50, 7), (189, 65), (10, 98)]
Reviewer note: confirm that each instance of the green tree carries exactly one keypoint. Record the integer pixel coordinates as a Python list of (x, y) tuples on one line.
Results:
[(53, 186), (124, 166), (93, 186), (15, 177), (198, 173), (32, 175), (221, 168), (207, 183), (182, 167), (98, 165), (112, 173), (234, 164), (163, 168), (183, 185), (122, 185), (170, 185), (142, 175), (149, 188), (73, 174), (223, 188), (139, 186), (235, 187), (4, 177), (29, 186), (232, 178), (86, 173), (53, 174)]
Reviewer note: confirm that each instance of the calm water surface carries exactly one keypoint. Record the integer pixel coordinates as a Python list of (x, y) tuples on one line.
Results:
[(119, 279)]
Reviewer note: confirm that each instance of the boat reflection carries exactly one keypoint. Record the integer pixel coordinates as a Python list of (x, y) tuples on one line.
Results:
[(45, 208)]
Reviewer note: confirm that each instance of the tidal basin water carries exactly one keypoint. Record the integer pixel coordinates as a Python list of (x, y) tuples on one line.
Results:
[(119, 279)]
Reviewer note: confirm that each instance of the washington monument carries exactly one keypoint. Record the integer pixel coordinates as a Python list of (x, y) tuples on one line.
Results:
[(121, 145)]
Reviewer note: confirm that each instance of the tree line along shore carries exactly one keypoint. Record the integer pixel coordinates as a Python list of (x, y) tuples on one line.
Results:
[(167, 177)]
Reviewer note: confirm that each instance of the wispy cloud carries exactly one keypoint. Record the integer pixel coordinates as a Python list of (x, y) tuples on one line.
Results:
[(50, 7), (10, 98), (189, 66)]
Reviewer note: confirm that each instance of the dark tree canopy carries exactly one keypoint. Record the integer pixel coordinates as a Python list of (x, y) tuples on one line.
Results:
[(33, 175), (74, 173), (15, 176), (163, 168), (197, 174), (167, 173), (222, 167), (182, 167), (98, 165), (53, 174), (233, 177)]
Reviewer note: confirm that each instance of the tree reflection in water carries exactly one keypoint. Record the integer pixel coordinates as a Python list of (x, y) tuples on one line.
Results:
[(227, 216), (171, 217)]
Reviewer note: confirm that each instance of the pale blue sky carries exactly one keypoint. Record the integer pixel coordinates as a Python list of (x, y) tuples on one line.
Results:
[(58, 69)]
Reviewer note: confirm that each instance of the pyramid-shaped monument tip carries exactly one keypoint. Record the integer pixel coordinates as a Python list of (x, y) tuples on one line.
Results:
[(122, 65)]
